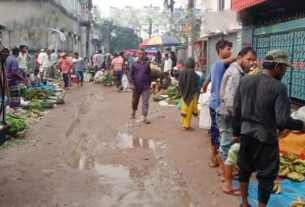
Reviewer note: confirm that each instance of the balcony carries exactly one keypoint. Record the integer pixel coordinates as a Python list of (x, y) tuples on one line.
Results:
[(238, 5)]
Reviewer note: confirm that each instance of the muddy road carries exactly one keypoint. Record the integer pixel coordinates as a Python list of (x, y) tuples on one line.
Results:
[(88, 153)]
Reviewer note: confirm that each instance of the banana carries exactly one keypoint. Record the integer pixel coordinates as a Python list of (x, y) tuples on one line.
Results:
[(296, 176), (299, 161), (275, 186), (279, 189), (298, 203), (290, 157), (284, 171)]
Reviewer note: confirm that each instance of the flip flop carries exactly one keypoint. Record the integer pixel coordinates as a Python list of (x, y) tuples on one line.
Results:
[(188, 129), (233, 192), (213, 165)]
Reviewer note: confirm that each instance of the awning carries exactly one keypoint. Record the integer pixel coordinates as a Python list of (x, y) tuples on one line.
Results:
[(62, 36), (238, 5)]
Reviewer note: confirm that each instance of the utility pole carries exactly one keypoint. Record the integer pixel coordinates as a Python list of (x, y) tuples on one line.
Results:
[(150, 27), (191, 34)]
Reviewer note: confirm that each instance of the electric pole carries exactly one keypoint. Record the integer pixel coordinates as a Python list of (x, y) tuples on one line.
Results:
[(191, 34)]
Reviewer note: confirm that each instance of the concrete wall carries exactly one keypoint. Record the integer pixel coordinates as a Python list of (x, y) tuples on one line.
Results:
[(32, 22)]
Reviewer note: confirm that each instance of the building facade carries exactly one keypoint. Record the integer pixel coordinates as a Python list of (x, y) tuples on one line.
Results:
[(57, 24), (218, 22), (281, 26)]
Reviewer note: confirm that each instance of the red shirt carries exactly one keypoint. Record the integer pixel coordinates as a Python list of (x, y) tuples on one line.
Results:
[(66, 65)]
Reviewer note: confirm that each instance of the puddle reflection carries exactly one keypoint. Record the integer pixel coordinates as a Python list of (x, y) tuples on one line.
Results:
[(127, 141)]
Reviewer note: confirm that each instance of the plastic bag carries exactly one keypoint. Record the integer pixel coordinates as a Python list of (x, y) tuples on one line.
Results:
[(87, 77), (179, 105), (125, 82)]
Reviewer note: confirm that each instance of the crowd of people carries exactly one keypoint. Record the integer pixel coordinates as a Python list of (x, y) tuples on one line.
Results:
[(248, 108)]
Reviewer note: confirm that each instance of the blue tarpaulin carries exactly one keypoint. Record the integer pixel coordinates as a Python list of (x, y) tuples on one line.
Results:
[(289, 194)]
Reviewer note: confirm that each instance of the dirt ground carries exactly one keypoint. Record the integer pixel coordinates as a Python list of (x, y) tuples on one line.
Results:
[(88, 153)]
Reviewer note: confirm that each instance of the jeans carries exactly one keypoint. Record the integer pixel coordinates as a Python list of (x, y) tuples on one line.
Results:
[(66, 79), (224, 124), (119, 75), (80, 76), (214, 129)]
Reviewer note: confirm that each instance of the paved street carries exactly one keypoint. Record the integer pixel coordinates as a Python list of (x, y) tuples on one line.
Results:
[(88, 153)]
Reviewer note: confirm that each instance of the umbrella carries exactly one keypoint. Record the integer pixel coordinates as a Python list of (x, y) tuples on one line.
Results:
[(160, 40)]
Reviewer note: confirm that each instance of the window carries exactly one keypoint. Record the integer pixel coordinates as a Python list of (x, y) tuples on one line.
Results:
[(221, 5)]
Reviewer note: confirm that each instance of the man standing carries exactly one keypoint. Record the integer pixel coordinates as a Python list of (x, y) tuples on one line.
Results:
[(65, 64), (261, 107), (97, 60), (168, 64), (223, 48), (22, 59), (118, 65), (229, 85), (107, 62), (54, 60), (79, 67), (140, 80), (14, 78), (45, 63)]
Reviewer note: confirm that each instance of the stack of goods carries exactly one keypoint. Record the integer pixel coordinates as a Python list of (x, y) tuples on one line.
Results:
[(173, 95), (292, 167)]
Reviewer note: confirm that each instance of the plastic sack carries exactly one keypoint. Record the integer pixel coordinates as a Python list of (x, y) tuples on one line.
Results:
[(299, 114), (125, 82), (233, 154), (179, 105), (87, 77), (205, 118)]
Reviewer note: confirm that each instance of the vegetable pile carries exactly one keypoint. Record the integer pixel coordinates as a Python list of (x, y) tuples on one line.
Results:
[(107, 79), (292, 167), (37, 106), (173, 94), (17, 123), (158, 97), (37, 93)]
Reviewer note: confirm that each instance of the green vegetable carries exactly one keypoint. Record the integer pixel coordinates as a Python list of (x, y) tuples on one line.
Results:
[(107, 79), (37, 106), (17, 123), (158, 97), (37, 93)]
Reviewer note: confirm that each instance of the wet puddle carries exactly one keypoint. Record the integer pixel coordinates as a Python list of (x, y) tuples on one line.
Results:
[(127, 141)]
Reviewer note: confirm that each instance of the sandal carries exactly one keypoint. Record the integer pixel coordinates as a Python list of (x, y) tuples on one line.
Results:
[(188, 129), (233, 192), (145, 121), (213, 165)]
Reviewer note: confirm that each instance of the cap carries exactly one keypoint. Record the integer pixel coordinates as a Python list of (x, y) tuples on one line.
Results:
[(63, 54), (278, 56), (108, 54), (42, 50)]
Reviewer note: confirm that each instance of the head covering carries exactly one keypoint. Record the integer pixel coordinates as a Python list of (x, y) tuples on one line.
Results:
[(42, 50), (188, 81), (277, 56), (63, 54)]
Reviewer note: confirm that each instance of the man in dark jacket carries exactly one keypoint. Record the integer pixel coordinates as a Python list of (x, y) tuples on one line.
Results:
[(261, 108)]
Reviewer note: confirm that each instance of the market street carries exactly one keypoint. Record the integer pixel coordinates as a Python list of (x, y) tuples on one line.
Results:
[(88, 153)]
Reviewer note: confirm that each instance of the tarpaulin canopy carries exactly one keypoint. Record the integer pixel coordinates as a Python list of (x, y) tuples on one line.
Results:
[(160, 40)]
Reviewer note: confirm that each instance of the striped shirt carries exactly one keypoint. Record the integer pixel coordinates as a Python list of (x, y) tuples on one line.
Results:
[(118, 63)]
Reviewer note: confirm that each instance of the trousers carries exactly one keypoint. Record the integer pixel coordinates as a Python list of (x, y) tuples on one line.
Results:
[(136, 95)]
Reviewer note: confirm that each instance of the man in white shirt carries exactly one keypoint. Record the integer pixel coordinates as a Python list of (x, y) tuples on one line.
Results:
[(54, 60), (44, 60), (168, 64), (97, 60), (22, 58)]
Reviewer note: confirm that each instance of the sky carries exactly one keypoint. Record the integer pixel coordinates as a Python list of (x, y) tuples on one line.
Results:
[(105, 5)]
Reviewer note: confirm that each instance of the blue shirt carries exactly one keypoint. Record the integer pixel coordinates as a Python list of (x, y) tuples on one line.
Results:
[(11, 64), (215, 76)]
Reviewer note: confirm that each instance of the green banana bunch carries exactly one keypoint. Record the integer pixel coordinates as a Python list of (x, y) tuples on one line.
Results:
[(299, 168), (296, 176)]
